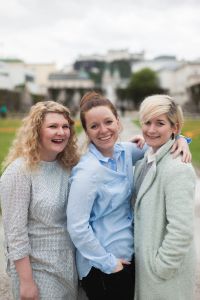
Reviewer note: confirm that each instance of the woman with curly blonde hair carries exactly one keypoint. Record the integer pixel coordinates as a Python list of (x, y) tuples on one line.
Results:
[(33, 190)]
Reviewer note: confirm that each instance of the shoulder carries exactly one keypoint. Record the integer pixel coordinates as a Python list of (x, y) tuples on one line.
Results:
[(88, 164), (15, 174), (174, 168), (18, 166), (132, 147)]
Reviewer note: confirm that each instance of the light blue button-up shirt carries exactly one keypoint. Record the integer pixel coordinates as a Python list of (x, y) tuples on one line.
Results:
[(99, 212)]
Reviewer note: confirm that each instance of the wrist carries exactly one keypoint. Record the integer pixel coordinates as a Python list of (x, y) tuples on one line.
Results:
[(187, 139)]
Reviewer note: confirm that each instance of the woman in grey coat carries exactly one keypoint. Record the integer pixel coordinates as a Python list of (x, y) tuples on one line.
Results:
[(163, 208), (33, 190)]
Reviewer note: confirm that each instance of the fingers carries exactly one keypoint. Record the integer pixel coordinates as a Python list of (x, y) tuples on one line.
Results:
[(186, 157), (139, 140), (120, 263), (125, 262)]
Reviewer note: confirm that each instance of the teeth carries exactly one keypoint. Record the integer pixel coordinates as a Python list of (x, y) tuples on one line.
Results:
[(57, 140), (105, 138)]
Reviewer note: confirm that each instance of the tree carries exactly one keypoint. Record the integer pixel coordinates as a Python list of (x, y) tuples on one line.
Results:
[(143, 83)]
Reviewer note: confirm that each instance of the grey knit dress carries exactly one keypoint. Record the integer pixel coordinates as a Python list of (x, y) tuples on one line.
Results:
[(34, 216)]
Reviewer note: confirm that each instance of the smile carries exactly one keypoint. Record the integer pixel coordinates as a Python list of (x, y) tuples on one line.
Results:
[(57, 141), (106, 138)]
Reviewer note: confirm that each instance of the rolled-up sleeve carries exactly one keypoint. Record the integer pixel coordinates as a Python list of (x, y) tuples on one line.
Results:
[(83, 192), (15, 189)]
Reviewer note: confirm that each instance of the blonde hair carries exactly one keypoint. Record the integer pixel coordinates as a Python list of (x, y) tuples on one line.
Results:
[(27, 141), (156, 105)]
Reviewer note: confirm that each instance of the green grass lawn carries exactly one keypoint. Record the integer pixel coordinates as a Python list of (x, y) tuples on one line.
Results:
[(191, 129), (7, 133)]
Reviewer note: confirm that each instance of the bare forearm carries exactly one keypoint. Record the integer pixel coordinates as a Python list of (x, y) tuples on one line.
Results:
[(28, 288), (24, 269)]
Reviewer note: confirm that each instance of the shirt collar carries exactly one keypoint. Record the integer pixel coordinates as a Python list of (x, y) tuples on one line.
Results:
[(118, 149), (151, 156)]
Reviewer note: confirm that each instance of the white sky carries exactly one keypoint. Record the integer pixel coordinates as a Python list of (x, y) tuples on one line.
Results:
[(60, 30)]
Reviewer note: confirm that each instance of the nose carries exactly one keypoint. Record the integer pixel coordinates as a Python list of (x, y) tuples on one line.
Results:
[(60, 131), (151, 128), (103, 128)]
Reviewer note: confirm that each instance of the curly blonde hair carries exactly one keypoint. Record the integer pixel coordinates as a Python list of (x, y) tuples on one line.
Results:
[(27, 141)]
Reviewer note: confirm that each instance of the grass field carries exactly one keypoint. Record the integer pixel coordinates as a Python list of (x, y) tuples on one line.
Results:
[(8, 128), (191, 129)]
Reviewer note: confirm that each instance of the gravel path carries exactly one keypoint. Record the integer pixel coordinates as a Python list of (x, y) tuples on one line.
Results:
[(129, 130)]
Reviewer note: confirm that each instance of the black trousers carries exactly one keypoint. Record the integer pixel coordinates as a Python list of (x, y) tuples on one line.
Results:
[(117, 286)]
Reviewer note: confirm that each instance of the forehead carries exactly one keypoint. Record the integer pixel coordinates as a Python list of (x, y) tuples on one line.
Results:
[(99, 112), (155, 118), (52, 117)]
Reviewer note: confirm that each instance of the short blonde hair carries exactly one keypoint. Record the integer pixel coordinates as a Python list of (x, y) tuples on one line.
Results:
[(156, 105), (27, 141)]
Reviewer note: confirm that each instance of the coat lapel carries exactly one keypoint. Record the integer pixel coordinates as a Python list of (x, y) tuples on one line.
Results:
[(151, 174)]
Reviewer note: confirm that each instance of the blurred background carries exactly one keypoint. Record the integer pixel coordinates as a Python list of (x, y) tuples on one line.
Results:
[(125, 49)]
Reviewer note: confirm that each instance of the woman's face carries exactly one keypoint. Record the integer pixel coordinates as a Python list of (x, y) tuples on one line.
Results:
[(157, 131), (54, 136), (102, 128)]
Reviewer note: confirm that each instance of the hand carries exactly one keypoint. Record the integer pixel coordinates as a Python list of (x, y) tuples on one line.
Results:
[(139, 140), (181, 147), (28, 290), (120, 263)]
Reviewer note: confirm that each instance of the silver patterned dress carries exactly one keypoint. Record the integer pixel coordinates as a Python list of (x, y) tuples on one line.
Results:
[(34, 216)]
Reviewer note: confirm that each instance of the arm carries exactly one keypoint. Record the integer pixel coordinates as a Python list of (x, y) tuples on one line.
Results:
[(15, 196), (136, 152), (180, 219), (181, 146), (28, 288), (139, 140), (83, 193)]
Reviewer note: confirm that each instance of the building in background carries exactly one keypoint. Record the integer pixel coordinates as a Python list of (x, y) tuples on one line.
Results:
[(110, 74)]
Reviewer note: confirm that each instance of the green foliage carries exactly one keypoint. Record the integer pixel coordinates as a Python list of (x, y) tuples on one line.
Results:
[(143, 83)]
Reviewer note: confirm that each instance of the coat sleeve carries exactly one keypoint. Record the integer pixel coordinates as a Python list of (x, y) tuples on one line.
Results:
[(15, 188), (179, 189)]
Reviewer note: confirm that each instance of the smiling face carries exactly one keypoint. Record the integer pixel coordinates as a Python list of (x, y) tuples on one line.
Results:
[(157, 131), (102, 128), (54, 136)]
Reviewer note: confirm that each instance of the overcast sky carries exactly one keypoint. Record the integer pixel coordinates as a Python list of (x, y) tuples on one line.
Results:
[(60, 30)]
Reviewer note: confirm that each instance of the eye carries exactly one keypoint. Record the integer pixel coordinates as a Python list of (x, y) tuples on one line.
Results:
[(109, 122), (52, 126), (93, 126), (147, 123), (66, 126), (161, 124)]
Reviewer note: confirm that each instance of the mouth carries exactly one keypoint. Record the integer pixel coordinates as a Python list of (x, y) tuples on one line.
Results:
[(105, 138), (57, 141), (152, 137)]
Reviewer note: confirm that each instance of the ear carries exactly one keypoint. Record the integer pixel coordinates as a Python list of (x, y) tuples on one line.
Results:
[(176, 129), (119, 125)]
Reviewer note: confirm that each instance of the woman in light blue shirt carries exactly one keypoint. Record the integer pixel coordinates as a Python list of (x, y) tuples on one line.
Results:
[(99, 214)]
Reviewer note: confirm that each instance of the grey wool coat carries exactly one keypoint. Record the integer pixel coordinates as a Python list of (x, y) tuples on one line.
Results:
[(163, 225)]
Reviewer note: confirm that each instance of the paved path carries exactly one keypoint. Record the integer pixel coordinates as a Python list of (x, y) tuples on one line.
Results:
[(129, 129)]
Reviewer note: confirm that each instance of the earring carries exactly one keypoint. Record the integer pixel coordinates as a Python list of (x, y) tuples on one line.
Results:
[(173, 136)]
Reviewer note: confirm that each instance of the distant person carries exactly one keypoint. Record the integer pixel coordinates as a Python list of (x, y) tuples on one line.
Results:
[(3, 111), (33, 191), (163, 208), (99, 213)]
